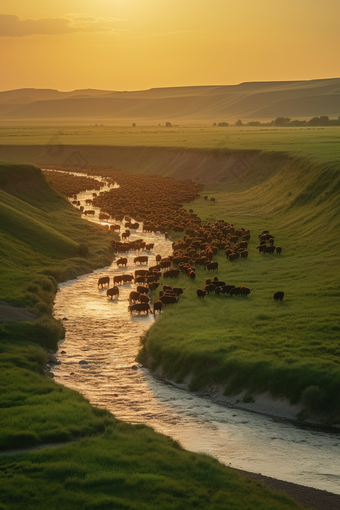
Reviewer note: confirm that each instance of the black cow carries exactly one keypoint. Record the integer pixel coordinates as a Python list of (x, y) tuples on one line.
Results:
[(278, 296), (209, 288), (211, 266), (225, 289)]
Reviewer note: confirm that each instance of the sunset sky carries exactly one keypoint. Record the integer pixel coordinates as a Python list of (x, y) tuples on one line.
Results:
[(140, 44)]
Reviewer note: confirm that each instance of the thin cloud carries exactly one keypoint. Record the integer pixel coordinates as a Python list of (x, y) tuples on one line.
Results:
[(13, 26)]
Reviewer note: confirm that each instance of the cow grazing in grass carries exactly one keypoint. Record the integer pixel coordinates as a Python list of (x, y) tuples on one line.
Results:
[(225, 289), (278, 296), (168, 300), (240, 291), (201, 293), (157, 307), (211, 266), (172, 273)]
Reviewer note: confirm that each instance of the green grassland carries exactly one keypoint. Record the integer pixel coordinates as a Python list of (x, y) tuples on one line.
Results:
[(290, 348), (128, 467), (320, 143), (116, 465), (42, 237)]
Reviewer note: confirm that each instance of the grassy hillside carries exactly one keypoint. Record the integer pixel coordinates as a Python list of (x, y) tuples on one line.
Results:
[(124, 466), (41, 233), (253, 343)]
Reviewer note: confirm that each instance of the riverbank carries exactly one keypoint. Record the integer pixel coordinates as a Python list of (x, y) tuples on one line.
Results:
[(262, 403)]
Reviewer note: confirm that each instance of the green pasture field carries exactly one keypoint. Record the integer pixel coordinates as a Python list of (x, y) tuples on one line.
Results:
[(289, 348), (320, 143), (116, 465), (129, 467)]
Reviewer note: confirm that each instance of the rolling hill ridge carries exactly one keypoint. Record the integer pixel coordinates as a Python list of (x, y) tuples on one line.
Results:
[(258, 100)]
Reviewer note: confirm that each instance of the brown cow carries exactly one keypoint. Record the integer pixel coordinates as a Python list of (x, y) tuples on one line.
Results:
[(134, 297), (122, 261), (168, 300), (143, 290), (172, 273), (157, 306), (143, 259), (139, 307), (104, 280), (127, 278), (143, 298), (117, 279), (114, 292)]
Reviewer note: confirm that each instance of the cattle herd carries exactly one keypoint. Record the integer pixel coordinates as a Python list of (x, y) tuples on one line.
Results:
[(156, 202)]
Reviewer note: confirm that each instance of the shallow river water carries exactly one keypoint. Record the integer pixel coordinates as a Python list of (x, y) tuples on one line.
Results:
[(105, 335)]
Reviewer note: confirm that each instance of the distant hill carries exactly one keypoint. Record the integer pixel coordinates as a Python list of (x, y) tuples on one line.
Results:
[(258, 100)]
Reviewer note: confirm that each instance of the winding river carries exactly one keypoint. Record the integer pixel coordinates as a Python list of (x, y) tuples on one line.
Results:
[(103, 334)]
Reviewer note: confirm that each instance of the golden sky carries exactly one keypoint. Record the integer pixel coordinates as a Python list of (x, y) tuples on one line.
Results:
[(140, 44)]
